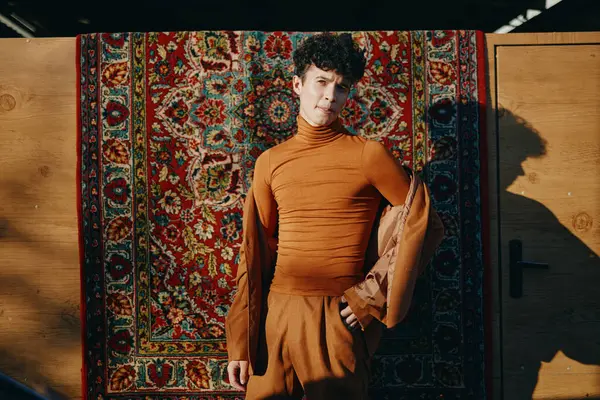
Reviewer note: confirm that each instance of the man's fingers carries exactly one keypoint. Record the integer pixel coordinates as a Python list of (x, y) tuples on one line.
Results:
[(234, 370), (351, 319), (346, 312), (243, 372), (348, 316)]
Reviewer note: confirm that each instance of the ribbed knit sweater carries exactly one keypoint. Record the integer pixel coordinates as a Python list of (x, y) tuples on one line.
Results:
[(318, 192)]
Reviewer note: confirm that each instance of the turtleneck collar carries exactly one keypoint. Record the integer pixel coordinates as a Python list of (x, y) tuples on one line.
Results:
[(319, 134)]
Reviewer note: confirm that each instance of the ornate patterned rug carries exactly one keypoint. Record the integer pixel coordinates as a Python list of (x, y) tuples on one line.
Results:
[(170, 125)]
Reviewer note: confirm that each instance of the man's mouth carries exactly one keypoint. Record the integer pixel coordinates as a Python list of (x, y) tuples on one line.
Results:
[(326, 110)]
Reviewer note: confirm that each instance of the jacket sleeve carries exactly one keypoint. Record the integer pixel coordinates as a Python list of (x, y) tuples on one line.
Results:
[(260, 201), (236, 323), (366, 308), (413, 244), (370, 299)]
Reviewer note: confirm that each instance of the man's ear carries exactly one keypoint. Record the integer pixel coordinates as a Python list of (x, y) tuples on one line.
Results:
[(297, 84)]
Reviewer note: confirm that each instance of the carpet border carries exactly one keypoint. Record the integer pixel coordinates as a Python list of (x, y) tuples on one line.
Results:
[(485, 215), (79, 194)]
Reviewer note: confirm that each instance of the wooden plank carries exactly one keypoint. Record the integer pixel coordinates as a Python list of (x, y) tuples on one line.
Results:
[(40, 292), (551, 38)]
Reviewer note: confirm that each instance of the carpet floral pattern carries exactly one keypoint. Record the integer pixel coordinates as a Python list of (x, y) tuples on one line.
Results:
[(170, 126)]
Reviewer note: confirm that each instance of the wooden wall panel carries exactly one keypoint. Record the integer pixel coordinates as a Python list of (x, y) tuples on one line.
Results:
[(40, 327)]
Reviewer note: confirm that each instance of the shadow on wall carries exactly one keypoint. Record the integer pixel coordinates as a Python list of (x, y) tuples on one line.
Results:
[(27, 301), (556, 314), (13, 390), (29, 365)]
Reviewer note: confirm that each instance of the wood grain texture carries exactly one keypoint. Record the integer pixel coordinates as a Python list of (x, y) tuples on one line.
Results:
[(40, 286), (547, 126)]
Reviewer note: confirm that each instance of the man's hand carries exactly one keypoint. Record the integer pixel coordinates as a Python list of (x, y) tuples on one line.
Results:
[(349, 318), (238, 374)]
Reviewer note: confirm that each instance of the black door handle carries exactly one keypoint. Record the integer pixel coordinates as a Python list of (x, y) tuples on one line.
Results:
[(516, 268)]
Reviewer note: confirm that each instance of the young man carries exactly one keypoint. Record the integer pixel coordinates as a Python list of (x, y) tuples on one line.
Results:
[(315, 198)]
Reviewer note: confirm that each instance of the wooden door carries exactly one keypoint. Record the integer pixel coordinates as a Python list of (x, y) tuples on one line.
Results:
[(548, 216)]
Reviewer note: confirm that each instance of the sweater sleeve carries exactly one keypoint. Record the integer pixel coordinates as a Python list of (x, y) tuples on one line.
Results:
[(385, 173), (236, 322), (265, 200)]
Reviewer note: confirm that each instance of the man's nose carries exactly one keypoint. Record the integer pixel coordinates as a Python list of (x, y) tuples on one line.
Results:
[(330, 94)]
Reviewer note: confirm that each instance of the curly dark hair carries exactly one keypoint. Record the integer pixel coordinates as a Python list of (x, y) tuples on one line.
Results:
[(331, 52)]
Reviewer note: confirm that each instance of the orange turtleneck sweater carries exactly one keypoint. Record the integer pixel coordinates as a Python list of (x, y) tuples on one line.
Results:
[(322, 189)]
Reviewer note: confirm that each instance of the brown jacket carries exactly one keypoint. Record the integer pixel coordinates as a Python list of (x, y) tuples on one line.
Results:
[(403, 242)]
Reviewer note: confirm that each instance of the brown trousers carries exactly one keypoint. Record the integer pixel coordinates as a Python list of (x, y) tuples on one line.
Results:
[(310, 352)]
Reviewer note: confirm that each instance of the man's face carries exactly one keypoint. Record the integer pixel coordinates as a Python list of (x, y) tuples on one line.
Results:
[(322, 95)]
